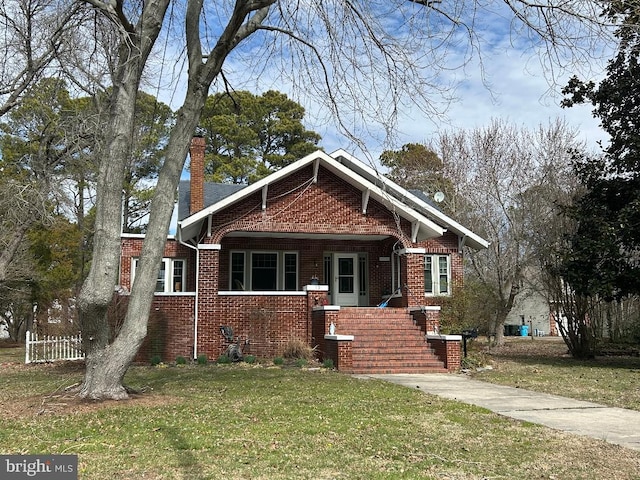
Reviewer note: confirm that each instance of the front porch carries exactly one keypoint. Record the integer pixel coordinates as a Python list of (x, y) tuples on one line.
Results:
[(384, 340), (365, 340)]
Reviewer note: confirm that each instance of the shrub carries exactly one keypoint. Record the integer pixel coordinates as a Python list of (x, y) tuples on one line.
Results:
[(223, 359), (296, 349), (181, 360), (202, 359), (301, 362), (278, 361), (250, 359), (327, 363), (156, 360)]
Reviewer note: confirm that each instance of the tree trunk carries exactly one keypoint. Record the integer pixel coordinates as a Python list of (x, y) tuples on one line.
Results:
[(104, 374), (12, 247), (108, 363), (105, 365)]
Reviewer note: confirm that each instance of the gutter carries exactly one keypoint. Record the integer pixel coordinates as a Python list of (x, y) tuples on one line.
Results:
[(195, 307)]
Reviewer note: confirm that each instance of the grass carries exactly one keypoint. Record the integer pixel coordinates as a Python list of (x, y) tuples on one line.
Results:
[(11, 352), (252, 422), (543, 364)]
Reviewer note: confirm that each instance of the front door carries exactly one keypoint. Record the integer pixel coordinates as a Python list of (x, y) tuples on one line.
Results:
[(345, 281)]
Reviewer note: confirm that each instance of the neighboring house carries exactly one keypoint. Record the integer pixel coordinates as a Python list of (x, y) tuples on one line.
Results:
[(531, 308), (323, 240)]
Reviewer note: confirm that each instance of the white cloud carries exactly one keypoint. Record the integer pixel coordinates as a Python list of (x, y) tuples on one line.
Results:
[(516, 93)]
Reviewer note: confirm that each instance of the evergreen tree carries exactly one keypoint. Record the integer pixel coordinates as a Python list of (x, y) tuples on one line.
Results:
[(604, 258), (250, 136)]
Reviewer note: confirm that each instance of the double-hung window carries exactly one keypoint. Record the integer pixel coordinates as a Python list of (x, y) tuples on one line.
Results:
[(171, 276), (437, 274), (263, 271)]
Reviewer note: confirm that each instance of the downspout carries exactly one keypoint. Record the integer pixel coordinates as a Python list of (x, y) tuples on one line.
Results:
[(195, 307)]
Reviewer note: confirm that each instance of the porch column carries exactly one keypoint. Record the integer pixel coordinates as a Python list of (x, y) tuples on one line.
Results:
[(427, 317), (321, 318), (414, 281), (316, 300), (447, 348), (339, 349)]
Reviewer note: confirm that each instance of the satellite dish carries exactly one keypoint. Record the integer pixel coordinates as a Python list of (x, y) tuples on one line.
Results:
[(438, 197)]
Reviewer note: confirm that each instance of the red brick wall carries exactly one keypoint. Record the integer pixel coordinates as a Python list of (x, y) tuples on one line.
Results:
[(266, 322), (170, 326), (448, 352), (294, 205), (170, 329), (427, 320), (341, 352), (321, 319), (330, 206)]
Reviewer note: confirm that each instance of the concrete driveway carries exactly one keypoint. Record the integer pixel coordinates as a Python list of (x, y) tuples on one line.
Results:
[(614, 425)]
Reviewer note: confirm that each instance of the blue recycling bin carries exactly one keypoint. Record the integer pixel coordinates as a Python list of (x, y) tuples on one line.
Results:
[(524, 330)]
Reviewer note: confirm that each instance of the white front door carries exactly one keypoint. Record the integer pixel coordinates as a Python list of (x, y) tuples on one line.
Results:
[(345, 281)]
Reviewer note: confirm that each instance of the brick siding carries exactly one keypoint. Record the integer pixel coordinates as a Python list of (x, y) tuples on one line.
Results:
[(295, 204)]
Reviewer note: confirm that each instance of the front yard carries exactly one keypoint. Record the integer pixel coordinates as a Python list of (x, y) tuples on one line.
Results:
[(543, 364), (264, 422)]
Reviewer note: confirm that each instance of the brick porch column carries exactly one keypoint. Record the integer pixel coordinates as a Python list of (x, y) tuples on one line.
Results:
[(414, 281)]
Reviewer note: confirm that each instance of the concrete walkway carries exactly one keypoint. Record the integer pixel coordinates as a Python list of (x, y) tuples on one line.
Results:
[(614, 425)]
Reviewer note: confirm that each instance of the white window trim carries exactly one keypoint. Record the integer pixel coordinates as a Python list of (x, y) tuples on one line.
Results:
[(244, 270), (396, 272), (168, 273), (280, 268), (435, 275)]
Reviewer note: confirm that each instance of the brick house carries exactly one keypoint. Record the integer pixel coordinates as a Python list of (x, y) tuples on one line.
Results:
[(324, 240)]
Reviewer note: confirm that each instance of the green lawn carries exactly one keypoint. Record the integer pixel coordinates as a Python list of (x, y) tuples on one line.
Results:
[(543, 364), (242, 422)]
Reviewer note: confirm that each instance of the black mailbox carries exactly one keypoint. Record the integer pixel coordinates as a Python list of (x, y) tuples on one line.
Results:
[(466, 334)]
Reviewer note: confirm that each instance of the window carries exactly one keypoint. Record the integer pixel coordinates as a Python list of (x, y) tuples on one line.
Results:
[(327, 271), (171, 276), (263, 271), (362, 266), (290, 271), (437, 275), (396, 272), (237, 271)]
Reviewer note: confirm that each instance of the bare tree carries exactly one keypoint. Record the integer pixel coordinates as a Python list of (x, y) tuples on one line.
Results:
[(510, 181), (360, 60), (34, 36)]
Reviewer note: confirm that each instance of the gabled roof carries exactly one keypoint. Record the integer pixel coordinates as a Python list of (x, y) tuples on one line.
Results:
[(411, 198), (416, 211)]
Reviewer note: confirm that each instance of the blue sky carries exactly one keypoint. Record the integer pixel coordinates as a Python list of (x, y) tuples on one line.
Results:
[(507, 80)]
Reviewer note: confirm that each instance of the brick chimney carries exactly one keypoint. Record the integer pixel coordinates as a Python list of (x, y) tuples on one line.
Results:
[(196, 153)]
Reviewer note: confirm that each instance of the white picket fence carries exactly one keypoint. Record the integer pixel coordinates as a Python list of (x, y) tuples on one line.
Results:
[(50, 349)]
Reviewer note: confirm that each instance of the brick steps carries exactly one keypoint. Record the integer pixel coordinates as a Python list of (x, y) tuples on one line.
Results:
[(387, 341)]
